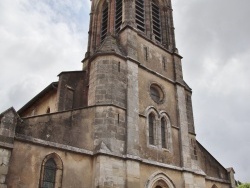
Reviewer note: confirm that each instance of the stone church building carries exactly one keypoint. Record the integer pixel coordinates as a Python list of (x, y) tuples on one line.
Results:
[(124, 121)]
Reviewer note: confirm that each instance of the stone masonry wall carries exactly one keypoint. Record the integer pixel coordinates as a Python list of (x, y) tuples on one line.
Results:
[(109, 172), (108, 82), (110, 129), (210, 165), (4, 165), (190, 116), (73, 128)]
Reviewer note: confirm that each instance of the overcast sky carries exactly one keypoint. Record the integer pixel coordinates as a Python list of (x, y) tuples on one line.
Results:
[(41, 38)]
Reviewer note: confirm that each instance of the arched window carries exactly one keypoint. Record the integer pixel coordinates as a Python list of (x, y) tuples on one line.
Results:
[(159, 180), (51, 172), (156, 21), (151, 122), (140, 15), (104, 21), (48, 110), (118, 15), (163, 133)]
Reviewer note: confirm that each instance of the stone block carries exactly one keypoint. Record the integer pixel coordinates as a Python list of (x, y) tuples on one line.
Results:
[(4, 169), (2, 179), (3, 186)]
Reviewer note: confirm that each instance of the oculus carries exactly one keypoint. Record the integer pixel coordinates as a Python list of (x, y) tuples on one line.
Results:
[(156, 93)]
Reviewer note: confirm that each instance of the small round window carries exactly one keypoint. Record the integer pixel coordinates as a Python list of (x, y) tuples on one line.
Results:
[(156, 93)]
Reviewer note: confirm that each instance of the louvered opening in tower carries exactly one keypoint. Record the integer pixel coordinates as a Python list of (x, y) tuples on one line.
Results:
[(140, 15), (104, 22), (118, 15), (156, 22)]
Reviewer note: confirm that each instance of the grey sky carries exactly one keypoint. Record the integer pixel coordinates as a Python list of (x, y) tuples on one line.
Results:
[(39, 39)]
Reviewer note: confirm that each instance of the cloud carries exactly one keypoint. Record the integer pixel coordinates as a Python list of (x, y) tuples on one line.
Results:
[(213, 38), (39, 39)]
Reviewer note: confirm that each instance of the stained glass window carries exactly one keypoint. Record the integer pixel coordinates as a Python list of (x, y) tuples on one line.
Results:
[(49, 174)]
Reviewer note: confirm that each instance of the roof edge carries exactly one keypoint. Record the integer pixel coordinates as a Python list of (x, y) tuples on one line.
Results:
[(51, 86)]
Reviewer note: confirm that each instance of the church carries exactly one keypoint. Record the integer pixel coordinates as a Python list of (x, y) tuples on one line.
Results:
[(124, 121)]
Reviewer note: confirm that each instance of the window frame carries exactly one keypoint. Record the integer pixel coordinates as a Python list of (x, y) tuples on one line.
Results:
[(58, 170), (163, 124), (151, 129)]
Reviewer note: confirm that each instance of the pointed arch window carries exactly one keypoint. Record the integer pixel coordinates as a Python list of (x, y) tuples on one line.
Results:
[(118, 15), (140, 15), (156, 21), (49, 174), (104, 21), (151, 122), (163, 133)]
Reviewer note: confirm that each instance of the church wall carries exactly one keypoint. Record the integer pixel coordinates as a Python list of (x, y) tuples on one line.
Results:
[(210, 165), (189, 109), (210, 184), (109, 172), (108, 81), (168, 104), (145, 79), (26, 162), (155, 58), (147, 171), (42, 105), (110, 128), (73, 128), (155, 153), (72, 90), (4, 167)]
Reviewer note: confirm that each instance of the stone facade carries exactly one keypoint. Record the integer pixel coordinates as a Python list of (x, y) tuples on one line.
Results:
[(124, 121)]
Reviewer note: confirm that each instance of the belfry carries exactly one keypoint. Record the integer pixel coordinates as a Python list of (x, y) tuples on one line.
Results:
[(124, 121)]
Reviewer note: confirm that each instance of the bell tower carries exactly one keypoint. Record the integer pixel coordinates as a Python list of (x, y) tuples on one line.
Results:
[(135, 81), (150, 19)]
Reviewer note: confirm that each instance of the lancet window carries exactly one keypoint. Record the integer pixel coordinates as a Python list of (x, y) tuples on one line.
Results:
[(140, 15), (151, 124), (156, 21), (51, 172), (104, 29), (163, 133), (118, 15)]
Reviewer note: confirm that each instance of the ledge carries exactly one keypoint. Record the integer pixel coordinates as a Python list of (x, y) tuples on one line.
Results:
[(76, 109), (52, 144), (6, 145), (217, 179), (110, 154)]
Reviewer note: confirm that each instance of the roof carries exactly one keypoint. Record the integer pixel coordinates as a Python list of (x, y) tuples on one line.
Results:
[(210, 154), (50, 87)]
